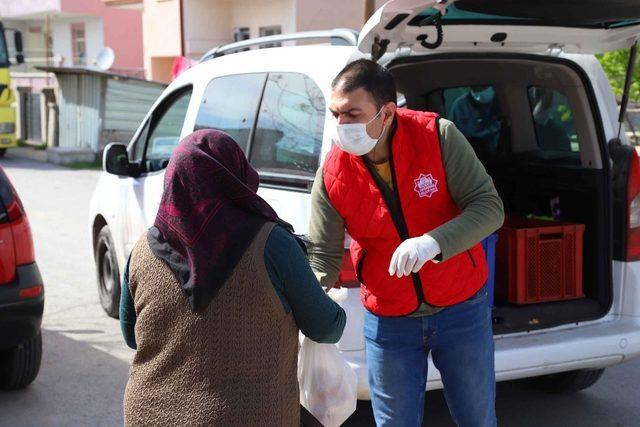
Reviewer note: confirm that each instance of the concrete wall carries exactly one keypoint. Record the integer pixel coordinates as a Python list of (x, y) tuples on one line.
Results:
[(121, 30), (255, 14), (10, 8), (207, 23), (161, 35), (314, 15), (210, 23), (61, 35)]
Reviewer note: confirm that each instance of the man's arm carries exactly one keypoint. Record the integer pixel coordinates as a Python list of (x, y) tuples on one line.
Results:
[(473, 192), (326, 232)]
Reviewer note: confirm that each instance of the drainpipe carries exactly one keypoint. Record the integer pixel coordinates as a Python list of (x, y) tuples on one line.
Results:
[(47, 44), (182, 49), (369, 7)]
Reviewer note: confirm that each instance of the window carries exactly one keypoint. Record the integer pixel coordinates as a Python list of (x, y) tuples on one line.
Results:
[(270, 31), (230, 104), (241, 33), (78, 44), (4, 56), (155, 148), (553, 120), (288, 136), (165, 136), (476, 112), (138, 146)]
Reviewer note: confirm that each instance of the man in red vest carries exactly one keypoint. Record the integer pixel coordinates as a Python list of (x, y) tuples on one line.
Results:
[(416, 202)]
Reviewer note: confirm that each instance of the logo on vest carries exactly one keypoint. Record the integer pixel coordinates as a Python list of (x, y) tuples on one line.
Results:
[(426, 185)]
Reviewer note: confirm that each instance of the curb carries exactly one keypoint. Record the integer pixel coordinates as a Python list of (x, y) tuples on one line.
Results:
[(28, 153), (54, 156)]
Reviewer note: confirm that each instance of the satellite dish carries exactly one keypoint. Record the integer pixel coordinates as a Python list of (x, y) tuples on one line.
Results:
[(105, 58)]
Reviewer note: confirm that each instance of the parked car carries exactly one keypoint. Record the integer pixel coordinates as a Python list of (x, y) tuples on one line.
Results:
[(273, 101), (21, 294)]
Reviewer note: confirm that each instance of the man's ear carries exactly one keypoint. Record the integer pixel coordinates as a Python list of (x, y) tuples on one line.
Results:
[(390, 110)]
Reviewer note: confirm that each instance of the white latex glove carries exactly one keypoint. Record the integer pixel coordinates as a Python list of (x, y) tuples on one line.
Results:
[(412, 254)]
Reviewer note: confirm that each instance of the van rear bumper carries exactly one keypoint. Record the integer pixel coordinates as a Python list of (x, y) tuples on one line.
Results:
[(585, 346)]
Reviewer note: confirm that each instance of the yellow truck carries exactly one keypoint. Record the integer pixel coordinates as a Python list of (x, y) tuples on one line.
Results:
[(7, 97)]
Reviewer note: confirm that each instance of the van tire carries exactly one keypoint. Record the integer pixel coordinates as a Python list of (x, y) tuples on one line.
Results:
[(568, 382), (20, 365), (2, 152), (108, 273)]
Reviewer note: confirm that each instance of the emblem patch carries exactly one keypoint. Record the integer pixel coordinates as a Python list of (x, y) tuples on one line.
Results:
[(426, 185)]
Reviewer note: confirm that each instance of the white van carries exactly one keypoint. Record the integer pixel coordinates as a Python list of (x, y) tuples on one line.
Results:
[(273, 102)]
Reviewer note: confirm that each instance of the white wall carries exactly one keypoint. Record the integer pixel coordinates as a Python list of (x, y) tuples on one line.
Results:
[(12, 8), (95, 38), (327, 14), (210, 23), (256, 14), (207, 23), (61, 35), (161, 29), (18, 25), (61, 40)]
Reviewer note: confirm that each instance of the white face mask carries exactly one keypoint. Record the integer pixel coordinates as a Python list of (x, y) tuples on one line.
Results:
[(353, 137)]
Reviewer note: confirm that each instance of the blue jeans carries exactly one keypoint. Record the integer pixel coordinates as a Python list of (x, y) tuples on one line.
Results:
[(460, 339)]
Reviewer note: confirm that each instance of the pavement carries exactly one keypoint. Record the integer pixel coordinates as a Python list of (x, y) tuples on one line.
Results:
[(85, 362)]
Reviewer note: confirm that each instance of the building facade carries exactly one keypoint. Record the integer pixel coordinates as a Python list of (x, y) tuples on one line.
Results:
[(73, 32), (190, 28), (66, 33)]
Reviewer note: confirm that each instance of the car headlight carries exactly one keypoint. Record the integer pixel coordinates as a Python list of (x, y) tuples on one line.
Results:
[(7, 127)]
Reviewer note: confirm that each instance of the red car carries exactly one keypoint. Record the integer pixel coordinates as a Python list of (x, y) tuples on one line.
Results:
[(21, 294)]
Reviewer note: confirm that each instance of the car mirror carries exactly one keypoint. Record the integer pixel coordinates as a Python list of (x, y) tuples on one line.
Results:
[(116, 161), (17, 43)]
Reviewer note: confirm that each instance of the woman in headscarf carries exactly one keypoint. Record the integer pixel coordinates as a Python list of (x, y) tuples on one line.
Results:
[(214, 296)]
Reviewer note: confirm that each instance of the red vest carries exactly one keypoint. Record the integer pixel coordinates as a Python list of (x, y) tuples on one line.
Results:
[(421, 186)]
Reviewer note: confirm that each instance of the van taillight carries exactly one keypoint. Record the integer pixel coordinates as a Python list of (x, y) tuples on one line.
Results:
[(20, 228), (23, 241), (633, 209), (9, 198)]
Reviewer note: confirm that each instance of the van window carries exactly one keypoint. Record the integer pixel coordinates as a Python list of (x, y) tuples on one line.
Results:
[(553, 120), (230, 104), (475, 111), (288, 136), (165, 136), (138, 145)]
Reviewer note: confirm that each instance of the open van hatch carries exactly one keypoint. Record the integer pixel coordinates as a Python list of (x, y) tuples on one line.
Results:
[(573, 26)]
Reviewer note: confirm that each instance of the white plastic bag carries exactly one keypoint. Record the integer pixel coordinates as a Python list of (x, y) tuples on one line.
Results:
[(328, 385)]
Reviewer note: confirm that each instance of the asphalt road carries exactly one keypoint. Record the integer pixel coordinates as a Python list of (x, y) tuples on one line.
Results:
[(85, 363)]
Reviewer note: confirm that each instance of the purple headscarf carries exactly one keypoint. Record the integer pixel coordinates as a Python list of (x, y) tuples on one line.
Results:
[(209, 213)]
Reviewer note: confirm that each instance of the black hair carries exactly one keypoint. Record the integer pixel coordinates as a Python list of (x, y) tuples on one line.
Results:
[(372, 77)]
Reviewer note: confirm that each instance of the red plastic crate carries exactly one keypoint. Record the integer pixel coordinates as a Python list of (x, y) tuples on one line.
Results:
[(539, 261)]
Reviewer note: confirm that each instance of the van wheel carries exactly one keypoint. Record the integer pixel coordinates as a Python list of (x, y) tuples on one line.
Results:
[(568, 382), (20, 365), (2, 152), (108, 273)]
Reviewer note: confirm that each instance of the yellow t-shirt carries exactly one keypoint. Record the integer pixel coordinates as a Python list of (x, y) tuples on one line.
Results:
[(384, 170)]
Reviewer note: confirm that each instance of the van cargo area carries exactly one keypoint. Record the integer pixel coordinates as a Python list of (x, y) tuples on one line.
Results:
[(535, 124)]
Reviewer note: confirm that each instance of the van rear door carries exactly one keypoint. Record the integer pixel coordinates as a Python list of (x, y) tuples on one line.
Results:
[(574, 26)]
